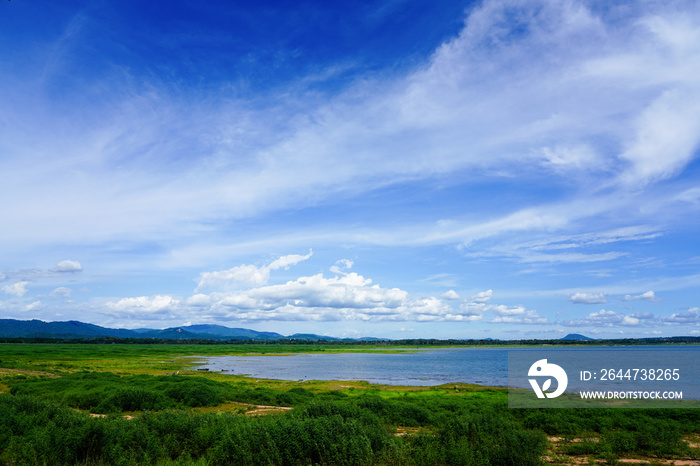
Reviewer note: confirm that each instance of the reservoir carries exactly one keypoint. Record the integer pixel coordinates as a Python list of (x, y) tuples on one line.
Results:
[(483, 366)]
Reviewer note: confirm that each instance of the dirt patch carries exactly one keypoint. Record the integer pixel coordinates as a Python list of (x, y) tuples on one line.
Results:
[(27, 372), (555, 457), (260, 410), (582, 460), (244, 408), (573, 440), (402, 431), (128, 417)]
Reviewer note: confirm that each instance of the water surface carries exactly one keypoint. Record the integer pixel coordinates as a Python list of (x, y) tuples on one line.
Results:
[(419, 367)]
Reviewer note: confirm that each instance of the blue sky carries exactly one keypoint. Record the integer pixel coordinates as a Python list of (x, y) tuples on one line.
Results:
[(402, 169)]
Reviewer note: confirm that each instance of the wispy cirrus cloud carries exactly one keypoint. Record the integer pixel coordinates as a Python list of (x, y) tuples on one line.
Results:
[(583, 91), (542, 139)]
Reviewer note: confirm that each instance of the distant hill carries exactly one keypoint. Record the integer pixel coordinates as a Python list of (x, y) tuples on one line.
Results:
[(11, 328), (311, 337), (213, 332), (576, 336), (221, 331)]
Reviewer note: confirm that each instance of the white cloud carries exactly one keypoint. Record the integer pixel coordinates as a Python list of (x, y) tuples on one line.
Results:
[(476, 308), (605, 318), (67, 266), (504, 311), (588, 298), (472, 311), (349, 296), (516, 315), (667, 136), (18, 289), (647, 296), (572, 257), (285, 262), (344, 297), (450, 294), (482, 296), (524, 317), (690, 317), (248, 275), (33, 306), (565, 249), (61, 292), (341, 266), (564, 159), (552, 86), (143, 307)]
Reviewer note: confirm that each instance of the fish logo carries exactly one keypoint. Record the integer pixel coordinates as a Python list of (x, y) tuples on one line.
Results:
[(542, 368)]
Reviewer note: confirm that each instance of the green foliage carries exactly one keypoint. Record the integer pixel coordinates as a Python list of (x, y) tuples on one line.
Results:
[(324, 430), (40, 425), (103, 392)]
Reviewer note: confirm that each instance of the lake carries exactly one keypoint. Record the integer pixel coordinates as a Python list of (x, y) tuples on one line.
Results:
[(437, 366)]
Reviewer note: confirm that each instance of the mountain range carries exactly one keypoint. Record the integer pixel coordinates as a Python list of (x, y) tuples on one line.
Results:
[(11, 328)]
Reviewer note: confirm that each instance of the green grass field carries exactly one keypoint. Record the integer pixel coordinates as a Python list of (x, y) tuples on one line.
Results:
[(113, 404)]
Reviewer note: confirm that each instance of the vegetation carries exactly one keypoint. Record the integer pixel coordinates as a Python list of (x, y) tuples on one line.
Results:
[(76, 416), (306, 340)]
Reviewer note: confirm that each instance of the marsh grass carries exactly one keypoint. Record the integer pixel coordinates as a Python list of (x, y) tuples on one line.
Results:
[(201, 418)]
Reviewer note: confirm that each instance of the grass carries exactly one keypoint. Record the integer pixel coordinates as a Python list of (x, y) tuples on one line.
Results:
[(46, 392)]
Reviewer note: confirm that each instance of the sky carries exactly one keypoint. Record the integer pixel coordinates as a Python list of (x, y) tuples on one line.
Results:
[(392, 168)]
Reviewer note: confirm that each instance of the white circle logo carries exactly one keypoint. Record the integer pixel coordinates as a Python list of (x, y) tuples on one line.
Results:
[(542, 368)]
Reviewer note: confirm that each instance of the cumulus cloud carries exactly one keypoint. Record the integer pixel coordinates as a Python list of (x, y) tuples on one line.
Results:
[(648, 296), (604, 318), (248, 275), (690, 317), (516, 315), (471, 311), (482, 297), (450, 294), (349, 296), (476, 308), (67, 266), (588, 298), (143, 307), (18, 289), (343, 297), (524, 317)]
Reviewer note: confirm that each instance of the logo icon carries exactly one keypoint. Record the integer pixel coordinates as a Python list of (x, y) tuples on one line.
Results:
[(542, 368)]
